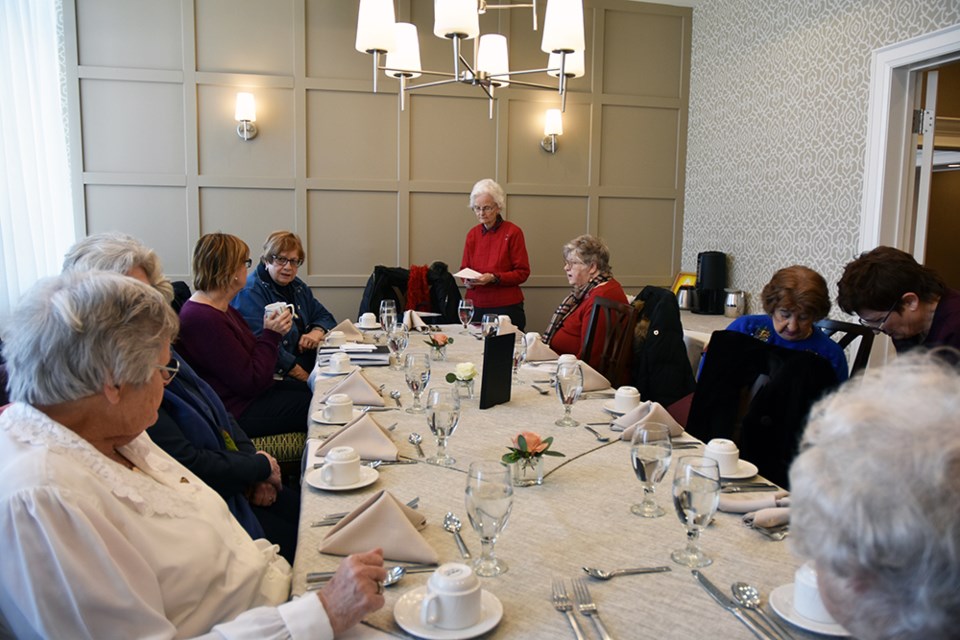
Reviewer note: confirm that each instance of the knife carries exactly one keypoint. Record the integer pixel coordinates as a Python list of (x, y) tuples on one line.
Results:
[(729, 605), (749, 488)]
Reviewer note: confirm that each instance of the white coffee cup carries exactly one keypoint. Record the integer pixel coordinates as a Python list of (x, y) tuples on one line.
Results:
[(806, 595), (567, 357), (277, 308), (339, 408), (339, 363), (726, 454), (341, 467), (453, 598), (335, 339), (626, 399), (368, 320)]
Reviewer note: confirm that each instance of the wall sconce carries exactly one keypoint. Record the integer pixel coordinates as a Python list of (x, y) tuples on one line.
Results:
[(552, 127), (246, 115)]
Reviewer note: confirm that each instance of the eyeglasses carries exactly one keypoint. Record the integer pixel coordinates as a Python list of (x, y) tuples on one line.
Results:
[(248, 263), (487, 208), (786, 315), (877, 327), (280, 261), (169, 371), (570, 264)]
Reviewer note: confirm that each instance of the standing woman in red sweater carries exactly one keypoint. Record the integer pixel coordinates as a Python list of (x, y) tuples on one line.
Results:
[(496, 249)]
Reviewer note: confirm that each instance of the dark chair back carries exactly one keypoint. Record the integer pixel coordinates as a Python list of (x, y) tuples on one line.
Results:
[(844, 333), (611, 326)]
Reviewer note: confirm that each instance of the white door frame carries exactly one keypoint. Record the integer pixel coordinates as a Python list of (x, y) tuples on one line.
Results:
[(886, 213)]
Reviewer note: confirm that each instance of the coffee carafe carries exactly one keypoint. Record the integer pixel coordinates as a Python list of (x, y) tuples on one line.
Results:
[(711, 282)]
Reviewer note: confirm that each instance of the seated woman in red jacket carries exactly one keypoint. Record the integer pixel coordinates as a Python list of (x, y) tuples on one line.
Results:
[(586, 262)]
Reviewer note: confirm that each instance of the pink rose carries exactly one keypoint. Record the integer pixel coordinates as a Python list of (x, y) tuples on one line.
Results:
[(441, 339), (534, 444)]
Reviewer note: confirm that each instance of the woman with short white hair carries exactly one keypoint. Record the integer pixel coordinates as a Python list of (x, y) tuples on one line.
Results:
[(876, 501)]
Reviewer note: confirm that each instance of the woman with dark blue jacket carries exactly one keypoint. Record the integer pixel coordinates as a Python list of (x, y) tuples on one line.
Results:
[(275, 280)]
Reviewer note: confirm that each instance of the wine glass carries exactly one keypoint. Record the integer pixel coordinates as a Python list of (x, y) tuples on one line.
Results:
[(489, 325), (443, 415), (397, 341), (387, 306), (416, 368), (489, 499), (650, 453), (569, 383), (465, 309), (388, 319), (519, 355), (696, 493)]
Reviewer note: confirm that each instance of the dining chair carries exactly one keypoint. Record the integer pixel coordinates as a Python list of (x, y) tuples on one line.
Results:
[(611, 327), (845, 333)]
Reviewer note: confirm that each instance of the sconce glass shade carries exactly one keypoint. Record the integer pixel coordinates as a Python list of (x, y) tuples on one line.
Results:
[(573, 66), (246, 108), (563, 27), (375, 26), (492, 58), (553, 123), (456, 17), (404, 60)]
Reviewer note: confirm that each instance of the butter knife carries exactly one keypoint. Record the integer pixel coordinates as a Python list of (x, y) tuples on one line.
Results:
[(749, 488), (729, 605)]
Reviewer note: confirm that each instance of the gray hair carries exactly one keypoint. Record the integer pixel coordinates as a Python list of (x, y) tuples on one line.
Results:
[(72, 334), (491, 188), (591, 250), (876, 499), (120, 253)]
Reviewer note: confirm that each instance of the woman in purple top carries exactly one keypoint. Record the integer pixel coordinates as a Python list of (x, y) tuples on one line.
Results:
[(221, 348)]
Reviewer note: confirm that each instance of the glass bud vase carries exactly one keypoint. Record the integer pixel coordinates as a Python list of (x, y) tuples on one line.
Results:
[(438, 354), (527, 472), (464, 389)]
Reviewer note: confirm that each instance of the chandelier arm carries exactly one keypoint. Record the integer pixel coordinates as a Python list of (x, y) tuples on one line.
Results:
[(518, 73), (532, 84), (438, 83)]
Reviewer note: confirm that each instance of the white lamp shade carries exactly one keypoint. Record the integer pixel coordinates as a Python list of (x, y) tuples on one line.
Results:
[(493, 59), (563, 27), (553, 123), (246, 107), (456, 17), (573, 66), (375, 26), (404, 60)]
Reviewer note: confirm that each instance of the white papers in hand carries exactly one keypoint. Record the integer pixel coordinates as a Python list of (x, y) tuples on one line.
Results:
[(467, 274)]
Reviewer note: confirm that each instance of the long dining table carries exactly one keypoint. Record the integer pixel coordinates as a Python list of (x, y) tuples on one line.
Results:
[(580, 516)]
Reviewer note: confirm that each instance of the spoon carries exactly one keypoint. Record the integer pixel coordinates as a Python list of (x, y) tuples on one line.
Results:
[(451, 523), (600, 574), (415, 439), (749, 597), (599, 436), (540, 390), (395, 394), (394, 574)]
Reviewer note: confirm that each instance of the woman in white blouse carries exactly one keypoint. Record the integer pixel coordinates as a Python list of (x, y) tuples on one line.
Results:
[(105, 535)]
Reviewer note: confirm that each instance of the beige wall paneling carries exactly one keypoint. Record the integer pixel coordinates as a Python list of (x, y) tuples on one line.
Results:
[(451, 139), (528, 164), (359, 145), (350, 233), (247, 36), (648, 254), (141, 35), (248, 213), (548, 222), (438, 224)]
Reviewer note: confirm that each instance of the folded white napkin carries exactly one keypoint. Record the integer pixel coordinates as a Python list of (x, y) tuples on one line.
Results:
[(367, 437), (505, 326), (647, 412), (350, 331), (358, 388), (413, 322), (747, 502), (381, 521), (537, 350), (767, 518), (592, 380)]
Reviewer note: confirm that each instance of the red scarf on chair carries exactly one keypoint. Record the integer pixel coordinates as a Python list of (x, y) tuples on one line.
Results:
[(418, 290)]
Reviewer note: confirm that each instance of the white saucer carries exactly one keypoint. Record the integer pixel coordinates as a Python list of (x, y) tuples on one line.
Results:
[(375, 325), (325, 371), (609, 407), (407, 614), (781, 600), (744, 470), (367, 477), (318, 417)]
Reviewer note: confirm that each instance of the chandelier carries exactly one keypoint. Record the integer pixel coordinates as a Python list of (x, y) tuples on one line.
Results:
[(379, 34)]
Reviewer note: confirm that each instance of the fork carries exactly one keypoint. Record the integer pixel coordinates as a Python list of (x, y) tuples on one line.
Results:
[(588, 607), (561, 602), (331, 519)]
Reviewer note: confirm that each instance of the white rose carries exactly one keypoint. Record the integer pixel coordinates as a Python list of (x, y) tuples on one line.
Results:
[(465, 371)]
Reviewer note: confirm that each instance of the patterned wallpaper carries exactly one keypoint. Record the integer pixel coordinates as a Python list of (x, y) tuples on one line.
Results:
[(778, 124)]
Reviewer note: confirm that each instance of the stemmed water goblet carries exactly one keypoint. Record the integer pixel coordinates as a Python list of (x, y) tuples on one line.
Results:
[(650, 453), (465, 311), (397, 341), (416, 368), (519, 355), (443, 415), (696, 493), (569, 384), (489, 325), (387, 306), (489, 500)]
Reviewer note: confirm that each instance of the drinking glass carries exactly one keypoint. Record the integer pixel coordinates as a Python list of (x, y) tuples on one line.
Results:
[(650, 453), (569, 383), (416, 368), (387, 306), (489, 499), (443, 415), (489, 325), (388, 319), (397, 341), (696, 493), (519, 355), (465, 309)]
